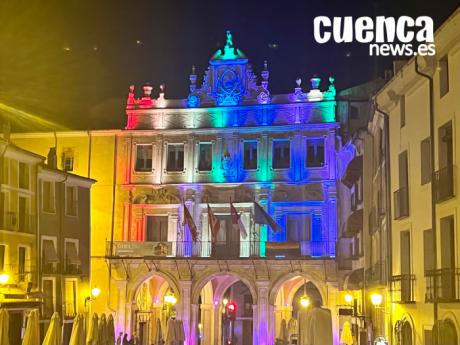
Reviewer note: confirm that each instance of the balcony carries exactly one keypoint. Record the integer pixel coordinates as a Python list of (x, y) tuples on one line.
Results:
[(443, 285), (444, 184), (16, 222), (401, 203), (223, 250), (402, 288)]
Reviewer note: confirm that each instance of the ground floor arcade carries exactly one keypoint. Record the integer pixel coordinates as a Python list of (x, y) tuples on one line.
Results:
[(220, 301)]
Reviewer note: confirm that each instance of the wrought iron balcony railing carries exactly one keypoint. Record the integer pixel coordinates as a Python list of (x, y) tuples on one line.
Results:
[(402, 288), (15, 221), (222, 249), (444, 183), (442, 285), (401, 203)]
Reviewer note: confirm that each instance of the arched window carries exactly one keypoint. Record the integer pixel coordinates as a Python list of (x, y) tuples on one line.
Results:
[(447, 333)]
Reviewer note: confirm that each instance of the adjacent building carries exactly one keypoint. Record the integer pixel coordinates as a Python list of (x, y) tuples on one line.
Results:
[(419, 110)]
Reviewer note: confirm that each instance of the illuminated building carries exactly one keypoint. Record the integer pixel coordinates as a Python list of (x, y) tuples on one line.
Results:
[(230, 140), (44, 239), (419, 109)]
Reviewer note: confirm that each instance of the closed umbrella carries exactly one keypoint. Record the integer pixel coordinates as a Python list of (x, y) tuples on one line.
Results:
[(4, 329), (346, 338), (92, 335), (170, 337), (54, 333), (179, 332), (77, 337), (111, 330), (102, 331), (283, 336), (158, 338), (32, 333)]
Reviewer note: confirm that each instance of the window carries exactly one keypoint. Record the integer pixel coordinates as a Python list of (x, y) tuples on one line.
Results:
[(205, 157), (298, 227), (403, 175), (6, 170), (428, 250), (2, 257), (315, 153), (72, 260), (281, 154), (443, 76), (156, 229), (143, 158), (23, 175), (175, 157), (23, 214), (405, 254), (22, 257), (49, 295), (71, 200), (402, 111), (49, 255), (48, 199), (445, 146), (70, 301), (3, 207), (425, 159), (67, 160), (354, 112), (250, 155)]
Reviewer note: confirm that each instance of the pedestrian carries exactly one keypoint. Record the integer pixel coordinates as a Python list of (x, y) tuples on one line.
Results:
[(120, 339), (125, 339)]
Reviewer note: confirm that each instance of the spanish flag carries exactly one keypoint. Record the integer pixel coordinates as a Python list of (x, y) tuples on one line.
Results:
[(190, 223), (236, 221), (214, 223)]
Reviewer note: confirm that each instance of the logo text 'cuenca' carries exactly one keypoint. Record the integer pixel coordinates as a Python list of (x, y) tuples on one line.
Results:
[(385, 35)]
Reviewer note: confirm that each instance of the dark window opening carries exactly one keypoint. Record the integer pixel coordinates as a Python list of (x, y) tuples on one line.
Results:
[(156, 229), (250, 155), (143, 158), (175, 158), (315, 153), (281, 154), (205, 157)]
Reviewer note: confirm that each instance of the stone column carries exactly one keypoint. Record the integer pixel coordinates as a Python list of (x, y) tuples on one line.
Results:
[(261, 324), (122, 320), (184, 310), (332, 298), (207, 322)]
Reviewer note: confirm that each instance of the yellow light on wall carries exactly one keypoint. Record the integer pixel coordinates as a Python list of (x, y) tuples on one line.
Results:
[(304, 301), (348, 298), (4, 278), (376, 299), (95, 292), (170, 299), (200, 326)]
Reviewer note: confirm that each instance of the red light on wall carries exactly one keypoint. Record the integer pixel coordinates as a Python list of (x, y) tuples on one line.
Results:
[(231, 307)]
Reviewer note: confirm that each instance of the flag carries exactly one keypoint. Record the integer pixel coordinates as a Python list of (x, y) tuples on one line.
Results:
[(236, 221), (214, 223), (262, 217), (190, 223)]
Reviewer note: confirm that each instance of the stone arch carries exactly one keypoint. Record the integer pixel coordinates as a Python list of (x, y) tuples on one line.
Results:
[(200, 283), (407, 318), (450, 318), (141, 278), (275, 288)]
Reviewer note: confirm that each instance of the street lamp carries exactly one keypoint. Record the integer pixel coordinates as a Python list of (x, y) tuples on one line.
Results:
[(304, 301), (225, 302), (4, 278), (348, 298), (376, 299), (95, 292)]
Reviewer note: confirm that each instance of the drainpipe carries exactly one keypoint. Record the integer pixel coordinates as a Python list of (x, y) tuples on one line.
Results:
[(389, 255), (433, 189), (115, 154)]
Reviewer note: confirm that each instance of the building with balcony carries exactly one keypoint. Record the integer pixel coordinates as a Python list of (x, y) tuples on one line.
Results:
[(421, 106), (63, 240), (18, 234), (165, 241)]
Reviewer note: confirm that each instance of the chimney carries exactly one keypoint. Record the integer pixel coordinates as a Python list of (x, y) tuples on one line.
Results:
[(52, 158)]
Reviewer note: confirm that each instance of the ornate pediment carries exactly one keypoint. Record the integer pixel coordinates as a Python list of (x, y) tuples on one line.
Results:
[(166, 195)]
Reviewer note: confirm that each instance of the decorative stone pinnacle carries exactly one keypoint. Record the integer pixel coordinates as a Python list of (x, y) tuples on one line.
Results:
[(229, 39), (147, 90), (298, 81)]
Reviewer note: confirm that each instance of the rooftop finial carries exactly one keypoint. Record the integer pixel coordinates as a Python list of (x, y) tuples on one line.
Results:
[(193, 69), (229, 39)]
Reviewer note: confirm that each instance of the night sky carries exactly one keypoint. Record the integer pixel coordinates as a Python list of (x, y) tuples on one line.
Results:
[(71, 61)]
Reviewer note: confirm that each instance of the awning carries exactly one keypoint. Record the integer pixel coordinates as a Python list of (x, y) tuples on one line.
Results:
[(354, 171), (354, 280), (49, 252), (354, 224), (71, 254), (282, 248)]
